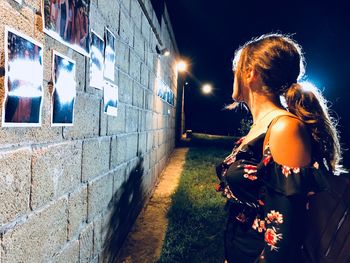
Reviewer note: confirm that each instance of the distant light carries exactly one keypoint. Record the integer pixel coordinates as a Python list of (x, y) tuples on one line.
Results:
[(186, 83), (181, 66), (207, 88)]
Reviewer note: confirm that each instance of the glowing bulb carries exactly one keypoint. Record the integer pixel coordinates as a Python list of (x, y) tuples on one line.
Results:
[(181, 66), (207, 88)]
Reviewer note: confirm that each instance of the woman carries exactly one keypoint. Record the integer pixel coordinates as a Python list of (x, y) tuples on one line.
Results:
[(285, 157)]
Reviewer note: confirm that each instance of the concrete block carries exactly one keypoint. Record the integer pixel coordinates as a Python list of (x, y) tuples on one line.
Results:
[(77, 211), (98, 242), (20, 18), (148, 100), (144, 75), (155, 120), (149, 141), (95, 157), (125, 88), (116, 124), (152, 82), (118, 180), (86, 117), (136, 14), (103, 120), (135, 66), (110, 11), (142, 145), (14, 184), (139, 44), (145, 27), (86, 244), (38, 238), (118, 150), (56, 170), (126, 5), (125, 28), (99, 195), (122, 55), (142, 120), (99, 16), (131, 146), (148, 120), (70, 253), (138, 95), (132, 119)]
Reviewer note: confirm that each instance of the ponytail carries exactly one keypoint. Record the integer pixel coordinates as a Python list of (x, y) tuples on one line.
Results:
[(306, 101)]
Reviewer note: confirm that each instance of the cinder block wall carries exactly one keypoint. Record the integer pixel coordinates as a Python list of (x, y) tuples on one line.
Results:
[(70, 194)]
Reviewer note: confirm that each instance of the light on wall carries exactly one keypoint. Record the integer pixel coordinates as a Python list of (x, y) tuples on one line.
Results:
[(163, 52), (181, 66)]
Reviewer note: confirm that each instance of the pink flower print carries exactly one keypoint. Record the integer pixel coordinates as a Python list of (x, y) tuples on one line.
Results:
[(259, 225), (272, 238), (250, 172), (267, 160), (275, 216), (286, 170), (316, 165)]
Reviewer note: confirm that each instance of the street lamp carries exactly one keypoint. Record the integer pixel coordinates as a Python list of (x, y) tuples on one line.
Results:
[(181, 66), (207, 88)]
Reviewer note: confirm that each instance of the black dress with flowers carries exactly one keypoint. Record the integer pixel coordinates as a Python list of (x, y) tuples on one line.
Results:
[(267, 203)]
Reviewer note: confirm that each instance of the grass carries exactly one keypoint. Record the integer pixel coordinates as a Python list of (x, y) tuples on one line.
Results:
[(197, 217)]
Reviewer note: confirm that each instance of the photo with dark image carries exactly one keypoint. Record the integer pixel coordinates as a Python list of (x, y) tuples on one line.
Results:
[(23, 80), (64, 90), (68, 22)]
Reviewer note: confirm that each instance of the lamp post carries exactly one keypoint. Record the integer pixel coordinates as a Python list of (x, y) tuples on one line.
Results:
[(181, 67)]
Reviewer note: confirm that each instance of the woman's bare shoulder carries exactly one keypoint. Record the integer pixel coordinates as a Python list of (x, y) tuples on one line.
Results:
[(290, 142)]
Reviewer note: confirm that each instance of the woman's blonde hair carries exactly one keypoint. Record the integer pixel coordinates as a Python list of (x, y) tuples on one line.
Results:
[(280, 63)]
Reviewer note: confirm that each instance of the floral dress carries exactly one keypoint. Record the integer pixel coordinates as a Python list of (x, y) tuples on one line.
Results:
[(267, 204)]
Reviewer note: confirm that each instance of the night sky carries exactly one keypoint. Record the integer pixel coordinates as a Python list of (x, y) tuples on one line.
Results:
[(208, 33)]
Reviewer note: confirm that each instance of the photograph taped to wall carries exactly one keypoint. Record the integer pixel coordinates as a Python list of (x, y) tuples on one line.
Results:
[(96, 61), (68, 22), (110, 99), (23, 80), (109, 55), (64, 83), (171, 98)]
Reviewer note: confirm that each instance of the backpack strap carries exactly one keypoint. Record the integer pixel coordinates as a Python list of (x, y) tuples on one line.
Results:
[(272, 122)]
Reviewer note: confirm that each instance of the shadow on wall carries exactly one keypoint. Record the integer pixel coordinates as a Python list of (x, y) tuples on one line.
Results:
[(125, 207)]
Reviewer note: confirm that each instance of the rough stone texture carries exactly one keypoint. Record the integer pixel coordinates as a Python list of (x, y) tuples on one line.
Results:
[(125, 88), (99, 195), (139, 43), (118, 150), (136, 14), (77, 211), (110, 11), (56, 170), (138, 95), (70, 253), (39, 237), (132, 118), (14, 184), (135, 66), (142, 146), (125, 29), (86, 122), (131, 146), (86, 244), (95, 157), (122, 56), (116, 124), (98, 242), (144, 75)]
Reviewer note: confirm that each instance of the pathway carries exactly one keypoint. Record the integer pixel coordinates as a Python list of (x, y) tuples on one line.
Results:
[(144, 242)]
